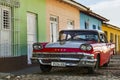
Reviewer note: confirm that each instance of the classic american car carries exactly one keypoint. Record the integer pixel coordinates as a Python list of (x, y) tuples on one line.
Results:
[(74, 48)]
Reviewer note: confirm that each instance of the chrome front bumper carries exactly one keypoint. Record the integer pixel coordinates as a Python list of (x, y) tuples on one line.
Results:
[(82, 59)]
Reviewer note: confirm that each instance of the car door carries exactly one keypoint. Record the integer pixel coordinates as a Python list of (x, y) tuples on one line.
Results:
[(105, 48)]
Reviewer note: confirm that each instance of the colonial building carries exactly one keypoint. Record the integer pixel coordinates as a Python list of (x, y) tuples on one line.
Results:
[(62, 14), (32, 25), (113, 35), (21, 25), (9, 32), (91, 20), (23, 22)]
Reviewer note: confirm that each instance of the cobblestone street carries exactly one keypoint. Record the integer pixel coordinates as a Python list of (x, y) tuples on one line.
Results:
[(59, 40), (105, 73)]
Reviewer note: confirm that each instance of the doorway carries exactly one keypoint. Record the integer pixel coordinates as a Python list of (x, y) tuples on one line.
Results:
[(5, 31), (53, 28), (31, 33)]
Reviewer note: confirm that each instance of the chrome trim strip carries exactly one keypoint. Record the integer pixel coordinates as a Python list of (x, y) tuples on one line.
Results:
[(82, 63), (44, 63), (68, 59)]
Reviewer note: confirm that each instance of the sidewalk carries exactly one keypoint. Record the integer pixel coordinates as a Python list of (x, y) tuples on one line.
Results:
[(25, 71), (28, 70)]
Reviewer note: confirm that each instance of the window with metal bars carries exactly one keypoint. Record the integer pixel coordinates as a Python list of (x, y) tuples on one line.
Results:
[(9, 28), (6, 19)]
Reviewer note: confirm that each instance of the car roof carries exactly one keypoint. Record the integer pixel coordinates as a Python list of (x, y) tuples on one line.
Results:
[(99, 31)]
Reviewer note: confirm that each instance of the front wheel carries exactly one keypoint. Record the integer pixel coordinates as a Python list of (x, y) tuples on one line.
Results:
[(45, 68), (107, 63)]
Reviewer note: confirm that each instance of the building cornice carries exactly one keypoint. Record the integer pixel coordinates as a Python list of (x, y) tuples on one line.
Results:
[(112, 26), (76, 4), (85, 9), (91, 13)]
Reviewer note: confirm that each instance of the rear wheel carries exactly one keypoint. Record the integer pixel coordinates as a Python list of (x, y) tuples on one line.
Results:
[(45, 68)]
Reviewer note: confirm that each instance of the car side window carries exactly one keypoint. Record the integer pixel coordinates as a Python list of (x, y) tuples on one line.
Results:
[(103, 38)]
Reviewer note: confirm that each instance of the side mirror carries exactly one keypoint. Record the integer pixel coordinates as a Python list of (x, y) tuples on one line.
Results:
[(111, 40), (102, 40)]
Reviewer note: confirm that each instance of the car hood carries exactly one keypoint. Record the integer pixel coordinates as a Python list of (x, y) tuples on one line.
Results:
[(67, 44)]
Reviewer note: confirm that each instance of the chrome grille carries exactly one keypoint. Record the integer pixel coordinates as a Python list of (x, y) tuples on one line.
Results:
[(60, 55)]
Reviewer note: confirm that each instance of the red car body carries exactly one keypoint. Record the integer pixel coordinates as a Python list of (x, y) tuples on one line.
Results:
[(81, 48)]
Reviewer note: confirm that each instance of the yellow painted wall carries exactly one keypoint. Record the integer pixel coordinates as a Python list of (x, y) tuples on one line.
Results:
[(116, 32)]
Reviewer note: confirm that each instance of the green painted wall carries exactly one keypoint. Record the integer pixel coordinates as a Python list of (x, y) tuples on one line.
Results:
[(38, 7)]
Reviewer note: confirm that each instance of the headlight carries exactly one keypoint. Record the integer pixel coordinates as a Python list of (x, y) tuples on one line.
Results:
[(37, 46), (86, 47), (89, 47), (83, 47)]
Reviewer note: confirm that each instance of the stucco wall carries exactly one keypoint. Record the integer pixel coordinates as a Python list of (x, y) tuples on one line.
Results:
[(91, 20), (114, 31), (37, 7), (64, 12)]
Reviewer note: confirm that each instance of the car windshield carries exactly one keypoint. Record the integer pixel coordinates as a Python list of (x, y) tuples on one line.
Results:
[(78, 36)]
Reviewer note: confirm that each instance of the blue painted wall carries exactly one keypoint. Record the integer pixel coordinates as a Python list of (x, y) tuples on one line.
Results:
[(89, 22)]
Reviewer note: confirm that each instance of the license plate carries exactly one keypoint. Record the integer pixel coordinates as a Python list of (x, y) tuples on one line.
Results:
[(59, 64)]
